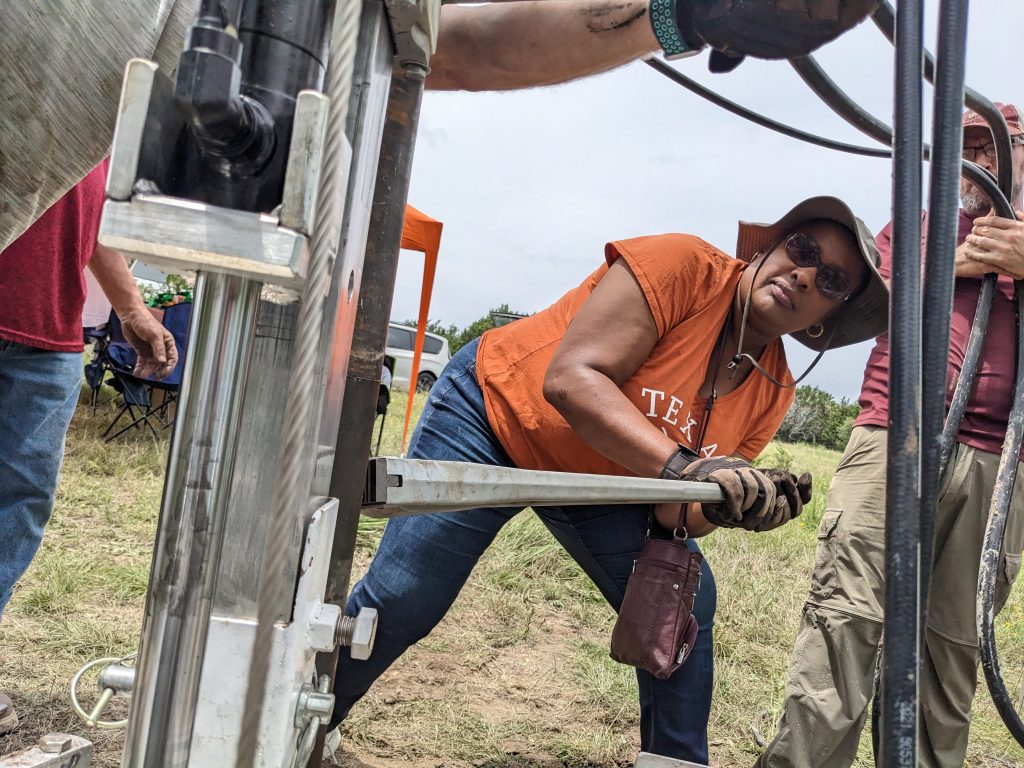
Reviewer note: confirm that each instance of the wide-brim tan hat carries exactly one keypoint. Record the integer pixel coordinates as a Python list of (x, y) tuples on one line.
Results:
[(862, 317)]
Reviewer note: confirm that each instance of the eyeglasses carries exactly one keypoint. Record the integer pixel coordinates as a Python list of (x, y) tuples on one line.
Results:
[(831, 281), (971, 153)]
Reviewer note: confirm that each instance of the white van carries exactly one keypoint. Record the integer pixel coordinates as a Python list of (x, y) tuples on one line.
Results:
[(401, 341)]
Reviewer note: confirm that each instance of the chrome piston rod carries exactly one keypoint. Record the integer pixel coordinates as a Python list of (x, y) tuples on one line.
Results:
[(190, 530)]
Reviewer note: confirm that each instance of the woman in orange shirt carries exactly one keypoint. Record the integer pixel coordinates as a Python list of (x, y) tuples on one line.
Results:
[(647, 368)]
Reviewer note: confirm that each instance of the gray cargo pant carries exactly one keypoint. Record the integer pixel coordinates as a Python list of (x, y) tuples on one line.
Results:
[(831, 675)]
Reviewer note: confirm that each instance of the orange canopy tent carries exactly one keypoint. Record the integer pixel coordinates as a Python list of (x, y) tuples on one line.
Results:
[(420, 233)]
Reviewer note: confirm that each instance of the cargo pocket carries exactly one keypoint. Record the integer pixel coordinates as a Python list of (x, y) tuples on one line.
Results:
[(1007, 575), (823, 580)]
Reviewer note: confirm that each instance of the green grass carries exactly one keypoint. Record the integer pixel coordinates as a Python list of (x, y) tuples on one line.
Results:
[(516, 676)]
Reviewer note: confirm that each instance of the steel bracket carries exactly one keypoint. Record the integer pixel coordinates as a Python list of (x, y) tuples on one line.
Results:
[(55, 750), (414, 25), (174, 234)]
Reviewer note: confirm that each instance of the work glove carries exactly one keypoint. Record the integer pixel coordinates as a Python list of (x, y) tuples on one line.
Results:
[(791, 493), (767, 29), (748, 495)]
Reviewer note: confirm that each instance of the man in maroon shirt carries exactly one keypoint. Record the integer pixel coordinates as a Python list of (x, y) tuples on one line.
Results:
[(831, 676), (42, 286)]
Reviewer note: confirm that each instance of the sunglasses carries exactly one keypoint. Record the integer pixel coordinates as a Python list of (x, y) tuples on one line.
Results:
[(972, 153), (831, 281)]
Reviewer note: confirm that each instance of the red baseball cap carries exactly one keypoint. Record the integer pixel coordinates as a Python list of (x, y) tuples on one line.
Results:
[(973, 120)]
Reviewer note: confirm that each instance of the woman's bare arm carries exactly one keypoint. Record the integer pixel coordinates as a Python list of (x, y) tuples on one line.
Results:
[(610, 337)]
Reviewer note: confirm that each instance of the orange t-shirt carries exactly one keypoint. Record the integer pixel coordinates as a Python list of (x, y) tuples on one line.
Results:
[(689, 286)]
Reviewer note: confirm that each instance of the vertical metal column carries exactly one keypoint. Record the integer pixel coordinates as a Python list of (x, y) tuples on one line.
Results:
[(190, 531), (260, 433), (369, 338), (901, 653)]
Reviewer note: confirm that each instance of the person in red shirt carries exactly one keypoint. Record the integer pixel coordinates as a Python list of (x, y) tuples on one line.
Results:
[(669, 349), (43, 289), (831, 677)]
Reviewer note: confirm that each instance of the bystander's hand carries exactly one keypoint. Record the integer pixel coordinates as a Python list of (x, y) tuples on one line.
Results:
[(995, 245), (153, 343)]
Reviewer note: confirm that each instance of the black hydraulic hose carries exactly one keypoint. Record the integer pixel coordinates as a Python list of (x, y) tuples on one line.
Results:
[(884, 19), (939, 268), (827, 90), (968, 372), (900, 649), (983, 180), (999, 194), (998, 512), (786, 130)]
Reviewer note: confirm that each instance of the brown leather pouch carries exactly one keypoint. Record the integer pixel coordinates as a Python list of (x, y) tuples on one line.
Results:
[(656, 629)]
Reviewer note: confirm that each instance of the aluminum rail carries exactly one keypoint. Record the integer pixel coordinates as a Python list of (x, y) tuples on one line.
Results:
[(901, 651), (277, 580), (190, 530), (396, 487)]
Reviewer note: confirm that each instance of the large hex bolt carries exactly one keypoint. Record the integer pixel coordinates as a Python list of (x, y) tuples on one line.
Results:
[(358, 633), (55, 743)]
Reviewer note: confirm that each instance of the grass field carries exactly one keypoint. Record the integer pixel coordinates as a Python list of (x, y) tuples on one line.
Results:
[(517, 675)]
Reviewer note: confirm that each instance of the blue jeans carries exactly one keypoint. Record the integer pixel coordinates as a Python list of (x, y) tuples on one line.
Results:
[(424, 560), (38, 393)]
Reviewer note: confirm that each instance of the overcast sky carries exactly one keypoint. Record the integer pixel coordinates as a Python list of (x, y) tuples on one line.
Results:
[(530, 185)]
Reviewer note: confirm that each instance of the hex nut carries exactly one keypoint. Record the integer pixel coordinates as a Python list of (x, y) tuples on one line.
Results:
[(364, 634), (55, 743), (322, 626), (205, 79)]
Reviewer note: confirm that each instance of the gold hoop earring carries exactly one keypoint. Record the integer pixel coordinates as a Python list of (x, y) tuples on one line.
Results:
[(815, 335)]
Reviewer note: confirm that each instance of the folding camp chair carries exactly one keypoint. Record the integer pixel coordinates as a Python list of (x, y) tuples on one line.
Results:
[(137, 392), (96, 368)]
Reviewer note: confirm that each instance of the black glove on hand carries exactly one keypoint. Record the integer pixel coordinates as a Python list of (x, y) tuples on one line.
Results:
[(791, 493), (749, 496), (767, 29)]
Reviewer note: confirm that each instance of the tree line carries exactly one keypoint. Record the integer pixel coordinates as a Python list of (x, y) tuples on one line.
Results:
[(817, 418)]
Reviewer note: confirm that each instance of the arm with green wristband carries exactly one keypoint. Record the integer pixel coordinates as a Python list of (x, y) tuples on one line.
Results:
[(530, 43)]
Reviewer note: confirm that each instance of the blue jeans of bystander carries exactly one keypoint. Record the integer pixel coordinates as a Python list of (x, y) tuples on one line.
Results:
[(38, 393), (424, 560)]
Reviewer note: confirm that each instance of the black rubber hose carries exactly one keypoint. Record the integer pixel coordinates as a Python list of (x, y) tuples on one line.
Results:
[(998, 512), (823, 85), (900, 650), (885, 20), (740, 111), (983, 180), (939, 269)]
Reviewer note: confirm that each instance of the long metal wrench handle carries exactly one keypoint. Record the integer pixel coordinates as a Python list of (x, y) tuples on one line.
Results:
[(396, 487)]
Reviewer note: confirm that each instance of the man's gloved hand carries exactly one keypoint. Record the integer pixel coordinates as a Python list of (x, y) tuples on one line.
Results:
[(791, 493), (749, 496), (767, 29)]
